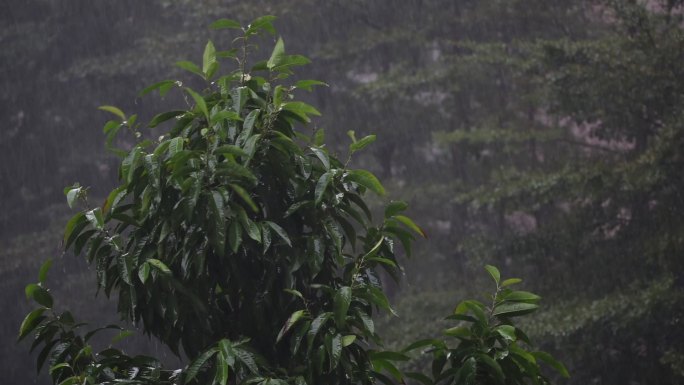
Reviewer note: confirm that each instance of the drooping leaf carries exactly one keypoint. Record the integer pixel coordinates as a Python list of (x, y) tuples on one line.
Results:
[(114, 110), (341, 303), (366, 179), (552, 362), (322, 186)]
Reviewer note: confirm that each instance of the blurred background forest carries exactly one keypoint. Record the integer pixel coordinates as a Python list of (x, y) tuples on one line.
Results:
[(542, 136)]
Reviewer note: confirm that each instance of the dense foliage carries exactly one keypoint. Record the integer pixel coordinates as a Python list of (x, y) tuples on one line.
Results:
[(241, 243), (511, 128)]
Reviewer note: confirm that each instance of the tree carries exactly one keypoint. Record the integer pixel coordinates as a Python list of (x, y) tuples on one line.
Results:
[(243, 244)]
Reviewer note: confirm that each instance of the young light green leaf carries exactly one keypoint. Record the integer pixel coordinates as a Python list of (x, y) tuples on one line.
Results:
[(362, 143), (348, 340), (277, 54), (209, 63), (510, 281), (308, 84), (114, 110), (408, 222), (494, 272)]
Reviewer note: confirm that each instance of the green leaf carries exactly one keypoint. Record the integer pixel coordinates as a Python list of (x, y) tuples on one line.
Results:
[(496, 368), (225, 24), (94, 216), (394, 208), (276, 55), (163, 87), (388, 355), (423, 343), (42, 273), (348, 340), (159, 265), (361, 144), (242, 193), (175, 146), (164, 116), (335, 350), (30, 322), (73, 227), (378, 297), (301, 109), (234, 236), (225, 114), (199, 100), (280, 231), (193, 369), (121, 336), (217, 229), (458, 332), (521, 296), (494, 272), (552, 362), (113, 110), (317, 323), (72, 195), (263, 23), (514, 309), (291, 321), (250, 227), (341, 303), (366, 179), (322, 156), (308, 84), (30, 289), (507, 332), (321, 186), (408, 222), (42, 297), (190, 67), (221, 377), (209, 63), (144, 272), (510, 281)]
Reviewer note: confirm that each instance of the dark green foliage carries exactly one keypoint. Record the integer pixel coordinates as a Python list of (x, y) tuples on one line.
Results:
[(245, 246)]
